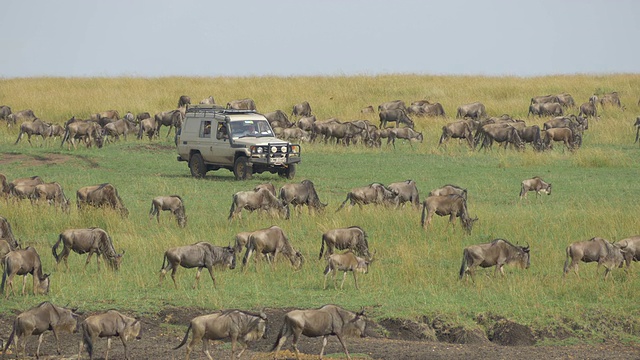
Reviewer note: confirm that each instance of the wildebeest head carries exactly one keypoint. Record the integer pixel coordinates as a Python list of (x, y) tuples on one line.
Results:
[(358, 323), (229, 257)]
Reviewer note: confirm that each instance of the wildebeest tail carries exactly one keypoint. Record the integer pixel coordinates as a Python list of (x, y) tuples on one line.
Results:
[(424, 214), (233, 208), (13, 333), (86, 339), (463, 267), (566, 261), (55, 248), (321, 248), (637, 133), (250, 249), (164, 261), (280, 335), (154, 210), (66, 136), (344, 202), (184, 341), (19, 136), (443, 136)]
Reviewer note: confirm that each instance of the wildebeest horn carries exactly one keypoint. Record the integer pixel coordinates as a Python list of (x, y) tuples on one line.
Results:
[(526, 249)]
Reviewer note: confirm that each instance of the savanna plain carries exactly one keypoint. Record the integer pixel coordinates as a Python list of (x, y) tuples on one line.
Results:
[(416, 305)]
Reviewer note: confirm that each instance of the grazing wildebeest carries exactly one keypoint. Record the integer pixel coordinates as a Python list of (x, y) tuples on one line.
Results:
[(278, 119), (345, 262), (24, 262), (589, 108), (343, 132), (301, 194), (406, 191), (87, 241), (433, 110), (241, 326), (35, 127), (325, 321), (631, 249), (295, 134), (171, 118), (171, 203), (306, 123), (200, 255), (7, 234), (566, 100), (242, 104), (33, 181), (474, 110), (546, 109), (570, 139), (610, 99), (457, 130), (534, 184), (5, 111), (596, 249), (120, 127), (544, 99), (390, 105), (108, 324), (404, 133), (453, 205), (497, 253), (148, 127), (531, 135), (109, 114), (143, 115), (4, 185), (369, 110), (208, 101), (637, 125), (374, 193), (253, 200), (38, 320), (352, 238), (101, 195), (501, 133), (395, 115), (302, 109), (23, 191), (22, 115), (53, 194), (272, 241), (184, 100), (82, 130)]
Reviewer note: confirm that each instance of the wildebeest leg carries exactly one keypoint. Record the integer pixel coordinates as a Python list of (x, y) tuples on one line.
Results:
[(344, 346), (325, 339), (106, 355), (210, 268), (355, 279), (55, 335), (294, 343), (87, 262), (327, 270), (24, 283), (197, 284), (124, 343), (344, 277), (173, 275), (205, 348), (40, 338)]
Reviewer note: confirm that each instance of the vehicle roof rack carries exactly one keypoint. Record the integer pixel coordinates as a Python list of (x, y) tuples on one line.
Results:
[(216, 109)]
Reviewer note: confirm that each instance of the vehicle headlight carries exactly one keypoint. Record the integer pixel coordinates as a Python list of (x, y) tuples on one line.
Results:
[(283, 149), (274, 149), (295, 149), (259, 150)]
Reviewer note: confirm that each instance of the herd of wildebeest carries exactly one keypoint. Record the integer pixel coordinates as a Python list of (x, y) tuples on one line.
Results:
[(474, 126)]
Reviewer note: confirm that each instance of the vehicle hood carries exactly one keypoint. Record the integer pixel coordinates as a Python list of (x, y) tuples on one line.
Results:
[(248, 141)]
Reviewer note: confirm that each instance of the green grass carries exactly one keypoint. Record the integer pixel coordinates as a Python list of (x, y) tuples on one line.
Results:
[(595, 193)]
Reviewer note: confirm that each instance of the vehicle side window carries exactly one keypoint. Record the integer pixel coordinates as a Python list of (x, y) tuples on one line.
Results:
[(222, 133), (205, 129)]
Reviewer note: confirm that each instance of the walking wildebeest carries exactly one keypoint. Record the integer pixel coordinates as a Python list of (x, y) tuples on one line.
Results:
[(474, 110), (589, 108), (99, 196), (200, 255), (534, 184), (278, 119), (87, 241), (53, 194), (325, 321), (147, 127), (112, 115), (501, 133), (38, 320), (24, 262), (631, 248), (302, 109), (545, 109), (531, 135), (242, 104), (241, 326), (610, 99), (35, 127), (596, 249), (457, 130), (637, 125), (374, 193), (120, 127), (171, 203), (272, 241), (7, 234), (253, 200), (452, 205), (171, 118), (544, 99), (301, 194), (497, 253), (306, 123), (570, 138), (184, 100), (81, 130), (405, 191), (345, 262), (404, 133), (5, 111), (395, 115), (449, 190), (22, 115), (566, 100), (208, 101), (109, 324), (353, 238), (391, 105)]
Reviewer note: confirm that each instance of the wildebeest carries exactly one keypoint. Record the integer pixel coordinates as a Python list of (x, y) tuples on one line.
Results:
[(171, 118), (345, 262), (546, 109), (534, 184), (474, 110), (589, 108), (143, 115), (35, 127), (112, 115), (184, 100), (637, 125), (242, 104), (406, 191), (4, 185), (241, 326), (301, 194), (23, 191), (302, 109), (369, 109), (7, 234), (272, 241), (148, 127), (101, 195), (544, 99), (390, 105), (253, 200), (566, 100), (120, 127), (531, 135), (208, 101), (200, 255), (497, 253), (171, 203), (38, 320), (631, 249), (306, 123), (457, 130), (5, 111), (501, 133), (596, 249), (24, 262), (453, 205), (295, 134), (278, 119), (404, 133), (395, 115), (352, 238), (325, 321), (374, 193), (82, 130), (87, 241), (22, 115), (570, 139), (610, 99), (53, 194), (108, 324)]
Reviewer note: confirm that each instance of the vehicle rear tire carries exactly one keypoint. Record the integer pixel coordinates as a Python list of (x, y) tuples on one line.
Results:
[(197, 166), (241, 169), (289, 172)]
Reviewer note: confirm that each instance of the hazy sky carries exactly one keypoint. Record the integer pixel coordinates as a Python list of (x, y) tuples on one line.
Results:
[(151, 38)]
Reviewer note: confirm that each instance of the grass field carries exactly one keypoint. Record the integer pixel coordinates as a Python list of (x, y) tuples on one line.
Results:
[(595, 193)]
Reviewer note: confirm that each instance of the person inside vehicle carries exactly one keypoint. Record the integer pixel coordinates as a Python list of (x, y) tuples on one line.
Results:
[(222, 132)]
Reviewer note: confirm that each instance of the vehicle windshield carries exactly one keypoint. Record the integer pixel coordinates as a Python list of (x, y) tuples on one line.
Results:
[(251, 128)]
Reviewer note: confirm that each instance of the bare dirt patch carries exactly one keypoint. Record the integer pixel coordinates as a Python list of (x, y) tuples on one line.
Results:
[(49, 159)]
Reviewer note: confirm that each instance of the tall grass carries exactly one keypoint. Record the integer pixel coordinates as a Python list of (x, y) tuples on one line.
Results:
[(595, 193)]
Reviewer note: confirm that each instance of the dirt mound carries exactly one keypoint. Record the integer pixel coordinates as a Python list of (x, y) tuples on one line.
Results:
[(508, 333)]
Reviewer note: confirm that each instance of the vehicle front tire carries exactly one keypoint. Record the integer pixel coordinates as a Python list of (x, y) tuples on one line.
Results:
[(241, 169), (196, 164), (289, 172)]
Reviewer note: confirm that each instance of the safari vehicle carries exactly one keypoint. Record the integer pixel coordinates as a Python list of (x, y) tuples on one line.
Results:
[(242, 141)]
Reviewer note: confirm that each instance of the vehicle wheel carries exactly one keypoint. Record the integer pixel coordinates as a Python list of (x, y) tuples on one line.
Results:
[(196, 164), (289, 172), (241, 169)]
